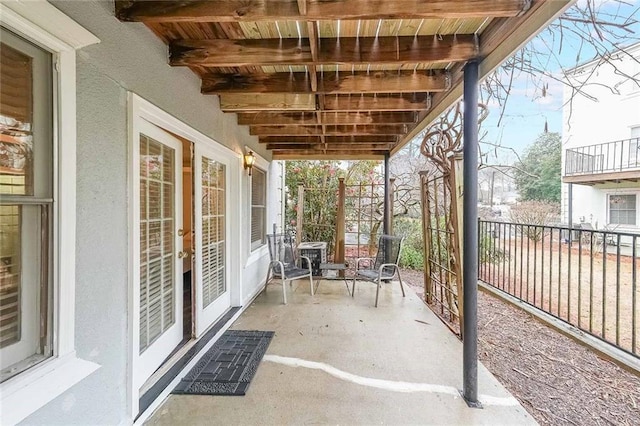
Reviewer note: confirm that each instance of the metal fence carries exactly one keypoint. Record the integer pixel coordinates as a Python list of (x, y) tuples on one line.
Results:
[(603, 158), (587, 278)]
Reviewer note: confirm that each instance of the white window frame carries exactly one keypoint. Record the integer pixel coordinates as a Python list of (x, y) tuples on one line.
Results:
[(43, 24), (263, 165), (608, 205)]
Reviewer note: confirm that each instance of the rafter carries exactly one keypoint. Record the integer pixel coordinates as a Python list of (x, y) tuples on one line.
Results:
[(310, 154), (356, 51), (329, 83), (333, 147), (328, 118), (392, 102), (268, 102), (382, 129), (350, 139), (313, 46), (259, 10)]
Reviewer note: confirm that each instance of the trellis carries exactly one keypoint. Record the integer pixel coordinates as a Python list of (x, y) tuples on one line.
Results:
[(441, 198), (359, 215)]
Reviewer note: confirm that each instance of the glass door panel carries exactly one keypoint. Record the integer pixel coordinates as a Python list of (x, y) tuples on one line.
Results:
[(159, 289), (212, 243)]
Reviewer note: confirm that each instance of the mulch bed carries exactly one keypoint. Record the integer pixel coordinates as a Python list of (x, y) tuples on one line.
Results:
[(556, 379)]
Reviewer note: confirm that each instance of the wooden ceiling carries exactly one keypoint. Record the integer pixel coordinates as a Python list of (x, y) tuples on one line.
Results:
[(334, 78)]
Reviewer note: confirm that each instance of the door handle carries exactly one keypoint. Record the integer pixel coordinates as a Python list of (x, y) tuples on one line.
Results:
[(183, 254)]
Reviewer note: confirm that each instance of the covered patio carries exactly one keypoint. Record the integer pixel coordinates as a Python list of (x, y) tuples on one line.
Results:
[(351, 80), (338, 360)]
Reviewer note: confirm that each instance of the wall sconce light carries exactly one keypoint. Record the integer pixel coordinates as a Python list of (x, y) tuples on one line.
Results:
[(249, 160)]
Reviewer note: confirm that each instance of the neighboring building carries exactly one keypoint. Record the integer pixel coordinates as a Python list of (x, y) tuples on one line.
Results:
[(601, 155)]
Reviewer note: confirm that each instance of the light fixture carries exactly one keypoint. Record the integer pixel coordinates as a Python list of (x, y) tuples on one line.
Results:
[(249, 160)]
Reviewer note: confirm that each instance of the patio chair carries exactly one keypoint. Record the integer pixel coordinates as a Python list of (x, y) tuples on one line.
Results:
[(284, 262), (383, 267)]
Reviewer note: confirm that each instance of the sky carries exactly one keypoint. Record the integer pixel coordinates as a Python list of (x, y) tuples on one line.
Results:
[(527, 110)]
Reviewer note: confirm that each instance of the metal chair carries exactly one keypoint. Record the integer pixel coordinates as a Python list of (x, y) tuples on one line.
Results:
[(284, 262), (383, 267)]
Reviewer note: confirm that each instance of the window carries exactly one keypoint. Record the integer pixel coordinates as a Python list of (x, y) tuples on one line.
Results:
[(622, 209), (26, 204), (258, 207), (37, 234)]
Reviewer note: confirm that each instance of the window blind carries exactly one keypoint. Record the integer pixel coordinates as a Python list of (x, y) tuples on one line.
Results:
[(258, 207)]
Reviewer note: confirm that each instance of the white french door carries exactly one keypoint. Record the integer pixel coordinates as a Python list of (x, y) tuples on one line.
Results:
[(212, 231), (158, 293)]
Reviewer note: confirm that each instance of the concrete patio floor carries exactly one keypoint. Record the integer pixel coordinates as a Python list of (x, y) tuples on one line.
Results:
[(338, 360)]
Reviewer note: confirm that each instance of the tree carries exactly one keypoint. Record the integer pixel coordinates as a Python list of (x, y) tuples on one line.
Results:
[(537, 174)]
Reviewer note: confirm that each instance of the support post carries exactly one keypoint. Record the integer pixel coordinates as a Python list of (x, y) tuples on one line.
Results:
[(340, 226), (300, 214), (426, 235), (470, 235), (387, 210), (570, 206), (392, 182)]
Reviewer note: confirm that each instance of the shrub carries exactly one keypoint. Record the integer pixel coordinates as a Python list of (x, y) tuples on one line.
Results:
[(411, 258), (538, 213), (411, 229)]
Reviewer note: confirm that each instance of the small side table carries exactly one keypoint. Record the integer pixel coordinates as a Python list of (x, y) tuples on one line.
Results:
[(336, 267)]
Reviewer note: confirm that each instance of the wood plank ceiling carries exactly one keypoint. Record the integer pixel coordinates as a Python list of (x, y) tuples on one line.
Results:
[(329, 78)]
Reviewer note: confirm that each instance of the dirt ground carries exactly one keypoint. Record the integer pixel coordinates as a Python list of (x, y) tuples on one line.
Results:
[(557, 380)]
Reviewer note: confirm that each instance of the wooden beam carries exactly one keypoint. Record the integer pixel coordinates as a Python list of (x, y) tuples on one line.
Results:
[(390, 129), (240, 53), (331, 147), (308, 154), (383, 82), (414, 102), (299, 82), (351, 51), (313, 10), (268, 102), (302, 7), (312, 31), (328, 139), (330, 83), (276, 118), (306, 102), (329, 118)]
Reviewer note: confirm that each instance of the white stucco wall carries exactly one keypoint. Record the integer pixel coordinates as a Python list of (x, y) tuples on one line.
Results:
[(129, 58), (599, 116)]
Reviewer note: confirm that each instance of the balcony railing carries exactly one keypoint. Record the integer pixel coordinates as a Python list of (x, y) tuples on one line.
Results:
[(609, 157)]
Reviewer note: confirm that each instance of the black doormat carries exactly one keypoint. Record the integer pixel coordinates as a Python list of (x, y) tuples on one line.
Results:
[(228, 367)]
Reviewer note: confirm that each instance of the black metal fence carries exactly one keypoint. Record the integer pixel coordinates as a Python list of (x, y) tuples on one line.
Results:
[(587, 278)]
